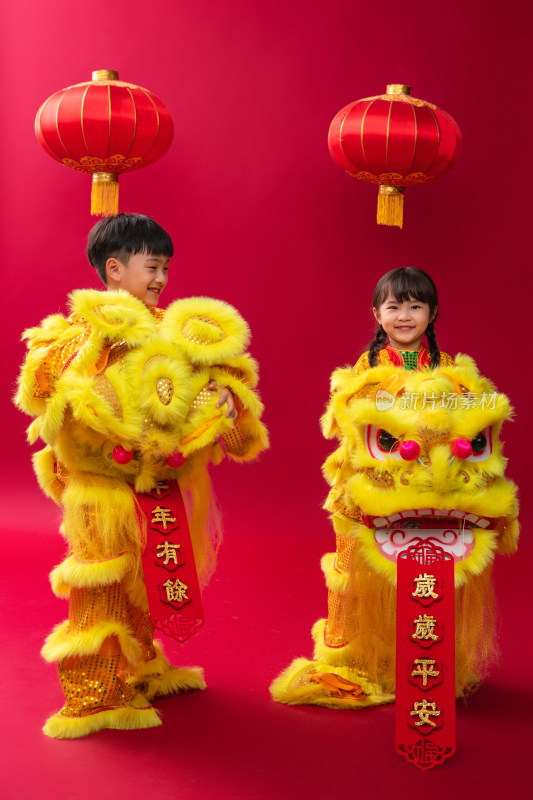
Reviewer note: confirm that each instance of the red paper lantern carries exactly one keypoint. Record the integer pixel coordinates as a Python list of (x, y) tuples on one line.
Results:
[(104, 127), (396, 141)]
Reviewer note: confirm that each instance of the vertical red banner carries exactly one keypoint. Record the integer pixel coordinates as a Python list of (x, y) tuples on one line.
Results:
[(425, 655), (168, 563)]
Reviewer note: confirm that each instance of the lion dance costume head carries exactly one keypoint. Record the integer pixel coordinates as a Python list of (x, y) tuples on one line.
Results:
[(420, 459)]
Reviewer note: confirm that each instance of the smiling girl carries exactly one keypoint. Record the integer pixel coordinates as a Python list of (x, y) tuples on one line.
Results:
[(405, 305)]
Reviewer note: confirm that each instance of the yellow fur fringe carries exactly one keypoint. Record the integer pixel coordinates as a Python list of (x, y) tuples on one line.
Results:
[(61, 643), (139, 714)]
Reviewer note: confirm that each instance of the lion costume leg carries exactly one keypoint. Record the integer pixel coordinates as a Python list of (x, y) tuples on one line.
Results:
[(339, 675), (109, 666), (104, 638)]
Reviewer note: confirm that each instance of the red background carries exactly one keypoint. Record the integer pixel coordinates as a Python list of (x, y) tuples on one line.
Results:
[(262, 217)]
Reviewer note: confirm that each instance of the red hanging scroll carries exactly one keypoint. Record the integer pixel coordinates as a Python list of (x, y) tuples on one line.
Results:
[(425, 655), (169, 569)]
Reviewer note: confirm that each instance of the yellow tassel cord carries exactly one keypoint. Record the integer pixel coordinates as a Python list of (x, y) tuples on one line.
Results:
[(104, 194), (390, 206)]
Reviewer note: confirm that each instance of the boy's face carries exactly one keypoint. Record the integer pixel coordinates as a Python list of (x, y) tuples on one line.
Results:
[(144, 276)]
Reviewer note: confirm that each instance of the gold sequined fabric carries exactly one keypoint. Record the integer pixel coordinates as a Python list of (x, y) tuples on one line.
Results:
[(383, 480), (202, 398), (429, 437), (99, 681), (54, 364), (344, 552), (117, 351), (91, 684), (335, 632), (165, 390), (237, 441), (338, 630), (89, 606), (105, 389)]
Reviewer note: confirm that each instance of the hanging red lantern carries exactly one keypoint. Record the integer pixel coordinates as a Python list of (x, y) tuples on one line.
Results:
[(395, 141), (104, 127)]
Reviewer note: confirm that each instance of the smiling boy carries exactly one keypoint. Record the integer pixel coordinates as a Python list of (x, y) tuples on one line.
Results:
[(132, 252), (126, 398)]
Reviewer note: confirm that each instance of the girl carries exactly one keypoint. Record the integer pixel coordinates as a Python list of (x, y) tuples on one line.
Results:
[(403, 473), (405, 306)]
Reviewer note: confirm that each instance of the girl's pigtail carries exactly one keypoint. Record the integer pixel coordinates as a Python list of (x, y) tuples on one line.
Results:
[(433, 346), (376, 345)]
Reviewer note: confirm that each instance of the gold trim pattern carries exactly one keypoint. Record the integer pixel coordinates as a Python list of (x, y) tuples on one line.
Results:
[(393, 178), (115, 164), (399, 98)]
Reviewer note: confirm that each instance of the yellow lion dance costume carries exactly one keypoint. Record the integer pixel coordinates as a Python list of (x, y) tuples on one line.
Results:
[(465, 504), (117, 374)]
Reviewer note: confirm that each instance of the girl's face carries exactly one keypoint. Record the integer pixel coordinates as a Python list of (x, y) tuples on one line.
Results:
[(404, 323)]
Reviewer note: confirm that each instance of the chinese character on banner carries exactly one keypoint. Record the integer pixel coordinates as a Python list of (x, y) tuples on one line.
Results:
[(425, 655), (426, 672), (426, 629), (175, 593), (425, 587), (163, 516), (168, 555)]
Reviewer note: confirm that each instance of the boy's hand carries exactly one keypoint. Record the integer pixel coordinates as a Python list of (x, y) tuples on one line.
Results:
[(225, 397)]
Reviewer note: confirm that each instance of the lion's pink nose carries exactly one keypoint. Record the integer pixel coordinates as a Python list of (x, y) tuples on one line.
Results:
[(121, 456), (461, 448), (175, 460), (409, 450)]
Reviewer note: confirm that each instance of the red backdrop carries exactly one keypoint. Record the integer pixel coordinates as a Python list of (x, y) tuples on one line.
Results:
[(262, 217)]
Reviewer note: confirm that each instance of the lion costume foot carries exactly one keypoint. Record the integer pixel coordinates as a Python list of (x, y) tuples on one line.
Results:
[(158, 678), (138, 714), (316, 683)]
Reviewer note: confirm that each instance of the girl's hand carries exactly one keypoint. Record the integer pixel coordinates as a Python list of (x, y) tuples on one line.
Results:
[(225, 397)]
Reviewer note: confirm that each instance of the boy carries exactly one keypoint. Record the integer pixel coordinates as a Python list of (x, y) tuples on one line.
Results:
[(127, 399)]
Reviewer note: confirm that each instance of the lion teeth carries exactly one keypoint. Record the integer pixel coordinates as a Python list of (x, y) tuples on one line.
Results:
[(473, 519)]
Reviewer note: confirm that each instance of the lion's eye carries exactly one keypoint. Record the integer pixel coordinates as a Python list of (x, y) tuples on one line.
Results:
[(481, 445), (380, 444), (387, 442)]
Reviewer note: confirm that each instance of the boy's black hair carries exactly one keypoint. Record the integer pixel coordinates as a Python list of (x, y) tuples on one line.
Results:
[(403, 284), (124, 235)]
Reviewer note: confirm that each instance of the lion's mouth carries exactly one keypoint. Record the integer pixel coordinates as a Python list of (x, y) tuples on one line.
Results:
[(450, 529)]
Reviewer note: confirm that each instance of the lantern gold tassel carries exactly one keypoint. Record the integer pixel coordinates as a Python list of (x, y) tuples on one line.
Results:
[(390, 206), (104, 194)]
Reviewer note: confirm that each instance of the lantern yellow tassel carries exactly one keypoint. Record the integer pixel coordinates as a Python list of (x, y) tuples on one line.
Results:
[(390, 206), (104, 194)]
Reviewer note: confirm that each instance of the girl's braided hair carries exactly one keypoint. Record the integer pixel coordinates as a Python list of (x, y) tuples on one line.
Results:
[(406, 283)]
